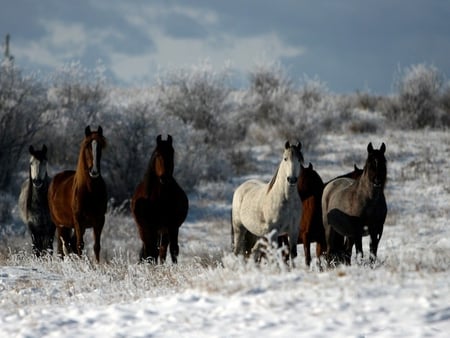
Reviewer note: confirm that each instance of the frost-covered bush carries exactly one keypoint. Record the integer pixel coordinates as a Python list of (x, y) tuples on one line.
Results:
[(417, 102), (266, 102), (78, 96), (199, 97), (277, 110), (23, 114)]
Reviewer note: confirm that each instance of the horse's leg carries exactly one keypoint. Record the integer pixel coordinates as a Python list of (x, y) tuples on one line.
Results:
[(174, 247), (149, 237), (239, 238), (347, 251), (359, 250), (293, 239), (36, 240), (283, 242), (375, 237), (64, 240), (163, 245), (97, 235), (319, 250), (306, 248), (79, 233), (60, 237), (49, 237)]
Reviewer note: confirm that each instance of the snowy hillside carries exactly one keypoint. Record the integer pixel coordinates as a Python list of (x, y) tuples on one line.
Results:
[(211, 293)]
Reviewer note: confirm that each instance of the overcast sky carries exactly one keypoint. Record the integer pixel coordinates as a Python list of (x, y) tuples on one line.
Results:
[(350, 45)]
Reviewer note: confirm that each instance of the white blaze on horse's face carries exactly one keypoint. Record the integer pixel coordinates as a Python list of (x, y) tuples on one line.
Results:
[(291, 165), (94, 172), (38, 170)]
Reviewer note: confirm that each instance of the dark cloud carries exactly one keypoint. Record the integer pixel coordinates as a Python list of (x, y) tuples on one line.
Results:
[(348, 44)]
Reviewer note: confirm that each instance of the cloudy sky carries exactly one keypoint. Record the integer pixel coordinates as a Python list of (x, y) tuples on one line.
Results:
[(350, 44)]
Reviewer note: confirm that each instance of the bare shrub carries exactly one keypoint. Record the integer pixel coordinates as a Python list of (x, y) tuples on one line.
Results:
[(23, 114)]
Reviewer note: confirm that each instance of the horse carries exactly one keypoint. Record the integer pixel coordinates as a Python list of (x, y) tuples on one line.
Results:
[(33, 203), (339, 242), (269, 209), (159, 205), (78, 198), (357, 207), (310, 187)]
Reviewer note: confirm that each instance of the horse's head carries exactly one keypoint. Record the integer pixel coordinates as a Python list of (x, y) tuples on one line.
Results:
[(376, 165), (162, 161), (38, 165), (292, 160), (92, 146), (309, 182)]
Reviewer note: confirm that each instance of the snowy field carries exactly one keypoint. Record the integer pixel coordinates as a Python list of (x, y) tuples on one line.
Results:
[(212, 293)]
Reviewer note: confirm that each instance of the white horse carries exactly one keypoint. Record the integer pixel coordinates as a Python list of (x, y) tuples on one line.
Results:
[(272, 209)]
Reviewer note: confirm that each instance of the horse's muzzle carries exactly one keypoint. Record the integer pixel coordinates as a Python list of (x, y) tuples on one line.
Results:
[(94, 173), (38, 183), (292, 180)]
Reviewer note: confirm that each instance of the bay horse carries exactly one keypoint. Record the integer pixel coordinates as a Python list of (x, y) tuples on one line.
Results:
[(159, 205), (33, 203), (269, 209), (357, 207), (78, 198)]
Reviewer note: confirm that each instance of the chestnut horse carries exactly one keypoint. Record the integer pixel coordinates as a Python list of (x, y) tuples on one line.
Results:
[(310, 187), (159, 205), (77, 199)]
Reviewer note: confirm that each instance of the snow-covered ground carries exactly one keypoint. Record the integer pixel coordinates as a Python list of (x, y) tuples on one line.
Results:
[(212, 293)]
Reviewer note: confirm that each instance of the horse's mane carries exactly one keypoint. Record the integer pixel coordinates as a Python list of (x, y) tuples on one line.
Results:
[(150, 172), (272, 181)]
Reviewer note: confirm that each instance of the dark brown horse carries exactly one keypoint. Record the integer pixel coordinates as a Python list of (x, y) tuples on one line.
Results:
[(77, 199), (159, 205), (357, 207)]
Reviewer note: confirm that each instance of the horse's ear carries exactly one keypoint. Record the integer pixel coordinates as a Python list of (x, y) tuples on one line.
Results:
[(370, 148), (286, 145), (100, 130), (31, 149), (310, 166), (355, 167), (44, 149), (383, 148), (158, 139), (299, 145), (87, 131), (169, 139)]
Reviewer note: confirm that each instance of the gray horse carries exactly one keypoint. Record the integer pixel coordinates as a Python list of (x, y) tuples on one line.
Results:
[(357, 207), (33, 203)]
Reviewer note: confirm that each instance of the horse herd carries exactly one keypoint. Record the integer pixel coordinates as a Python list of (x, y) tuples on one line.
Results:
[(295, 207)]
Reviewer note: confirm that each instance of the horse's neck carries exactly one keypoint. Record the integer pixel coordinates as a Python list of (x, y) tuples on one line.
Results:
[(280, 188), (364, 187)]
